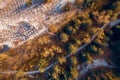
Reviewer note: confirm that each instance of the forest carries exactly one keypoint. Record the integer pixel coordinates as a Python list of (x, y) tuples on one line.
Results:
[(90, 32)]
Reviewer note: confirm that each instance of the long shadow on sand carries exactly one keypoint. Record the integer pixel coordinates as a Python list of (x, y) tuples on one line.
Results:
[(5, 48)]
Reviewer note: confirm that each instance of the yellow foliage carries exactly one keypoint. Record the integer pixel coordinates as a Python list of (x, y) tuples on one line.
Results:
[(51, 51), (89, 58), (42, 64), (61, 59), (94, 48), (20, 74), (53, 47), (93, 30), (74, 60), (87, 40), (41, 69), (43, 40), (3, 57), (56, 48), (57, 69), (45, 53), (28, 2), (102, 17), (55, 76), (53, 28), (100, 51), (98, 31), (74, 73), (101, 35), (73, 48), (64, 37)]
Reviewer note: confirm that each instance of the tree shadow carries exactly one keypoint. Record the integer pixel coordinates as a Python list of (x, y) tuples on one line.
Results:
[(5, 48)]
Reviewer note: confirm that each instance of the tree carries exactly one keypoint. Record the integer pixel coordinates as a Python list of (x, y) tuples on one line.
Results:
[(64, 37), (55, 76), (53, 28), (94, 4), (74, 60), (100, 51), (67, 7), (61, 59), (72, 48), (100, 33), (42, 64), (116, 6), (57, 69), (28, 2), (87, 38), (86, 23), (68, 29), (77, 22), (77, 42), (20, 74), (71, 29), (3, 57), (74, 73), (94, 49), (89, 58)]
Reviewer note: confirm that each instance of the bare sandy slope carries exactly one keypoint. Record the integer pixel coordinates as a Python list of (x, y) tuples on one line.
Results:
[(19, 22)]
